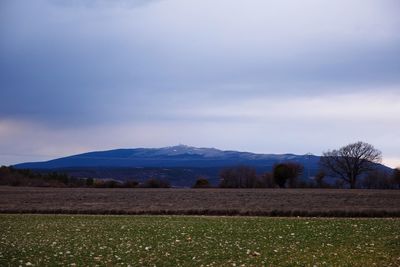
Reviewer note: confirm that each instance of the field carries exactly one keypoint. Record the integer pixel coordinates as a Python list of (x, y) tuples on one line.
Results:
[(95, 240), (89, 240), (268, 202)]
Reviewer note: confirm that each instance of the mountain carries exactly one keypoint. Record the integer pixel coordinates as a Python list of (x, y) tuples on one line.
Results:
[(167, 157), (181, 164)]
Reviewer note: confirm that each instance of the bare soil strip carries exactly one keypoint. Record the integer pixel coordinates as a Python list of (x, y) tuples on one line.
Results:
[(247, 202)]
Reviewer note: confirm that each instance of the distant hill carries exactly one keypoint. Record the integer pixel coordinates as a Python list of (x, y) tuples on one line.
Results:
[(181, 164), (167, 157)]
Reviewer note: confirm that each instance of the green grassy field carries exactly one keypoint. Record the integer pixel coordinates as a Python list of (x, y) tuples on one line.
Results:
[(61, 240)]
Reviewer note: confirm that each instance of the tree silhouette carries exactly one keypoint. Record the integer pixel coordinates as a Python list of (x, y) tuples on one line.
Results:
[(238, 177), (350, 161), (286, 171)]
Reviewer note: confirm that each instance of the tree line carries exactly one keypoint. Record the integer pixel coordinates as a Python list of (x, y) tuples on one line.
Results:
[(24, 177), (283, 175), (347, 165), (287, 175)]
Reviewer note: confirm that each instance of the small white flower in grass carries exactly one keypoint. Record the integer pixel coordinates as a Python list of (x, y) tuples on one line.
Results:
[(28, 264), (255, 254), (147, 248)]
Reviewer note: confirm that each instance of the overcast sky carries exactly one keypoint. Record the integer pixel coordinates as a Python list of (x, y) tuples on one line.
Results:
[(282, 76)]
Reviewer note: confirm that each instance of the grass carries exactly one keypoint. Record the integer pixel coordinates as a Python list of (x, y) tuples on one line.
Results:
[(65, 240)]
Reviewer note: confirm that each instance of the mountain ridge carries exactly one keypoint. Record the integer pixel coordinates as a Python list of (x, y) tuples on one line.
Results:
[(171, 156)]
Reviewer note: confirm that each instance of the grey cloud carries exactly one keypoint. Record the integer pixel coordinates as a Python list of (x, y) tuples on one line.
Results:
[(103, 3), (78, 65)]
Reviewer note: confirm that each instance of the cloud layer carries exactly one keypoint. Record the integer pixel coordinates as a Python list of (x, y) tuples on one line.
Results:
[(265, 76)]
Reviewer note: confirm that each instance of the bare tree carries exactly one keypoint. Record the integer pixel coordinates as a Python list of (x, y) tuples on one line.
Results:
[(350, 161), (238, 177)]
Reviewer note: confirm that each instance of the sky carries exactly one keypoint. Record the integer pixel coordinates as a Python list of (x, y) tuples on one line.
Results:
[(265, 76)]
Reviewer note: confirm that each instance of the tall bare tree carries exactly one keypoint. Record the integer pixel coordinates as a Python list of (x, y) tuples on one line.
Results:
[(350, 161)]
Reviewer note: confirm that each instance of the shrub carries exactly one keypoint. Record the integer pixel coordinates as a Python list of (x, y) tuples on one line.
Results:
[(202, 183), (130, 184), (89, 182), (156, 183), (102, 183)]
